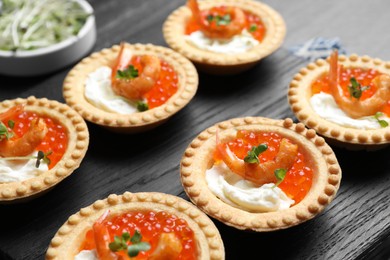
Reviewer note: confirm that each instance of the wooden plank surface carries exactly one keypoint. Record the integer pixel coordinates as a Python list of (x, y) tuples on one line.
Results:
[(355, 226)]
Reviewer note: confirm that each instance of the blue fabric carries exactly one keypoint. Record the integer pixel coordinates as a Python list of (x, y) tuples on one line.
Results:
[(317, 48)]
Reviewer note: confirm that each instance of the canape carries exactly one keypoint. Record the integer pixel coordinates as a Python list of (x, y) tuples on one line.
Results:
[(41, 142), (224, 36), (146, 225), (345, 99), (130, 88), (260, 174)]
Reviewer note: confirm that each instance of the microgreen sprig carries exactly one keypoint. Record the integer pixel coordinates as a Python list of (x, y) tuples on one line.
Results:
[(383, 123), (219, 20), (41, 156), (4, 133), (130, 73), (253, 28), (356, 89), (280, 174), (253, 154), (120, 244), (142, 106)]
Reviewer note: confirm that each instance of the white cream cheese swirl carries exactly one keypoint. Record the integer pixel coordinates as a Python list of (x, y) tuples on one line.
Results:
[(20, 170), (86, 255), (325, 106), (237, 44), (243, 194), (98, 92)]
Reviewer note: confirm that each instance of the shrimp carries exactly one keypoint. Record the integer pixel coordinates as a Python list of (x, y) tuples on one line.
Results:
[(352, 106), (168, 247), (102, 239), (261, 173), (233, 26), (26, 144), (135, 88)]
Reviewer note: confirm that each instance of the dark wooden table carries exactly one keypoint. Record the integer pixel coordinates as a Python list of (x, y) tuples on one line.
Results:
[(355, 226)]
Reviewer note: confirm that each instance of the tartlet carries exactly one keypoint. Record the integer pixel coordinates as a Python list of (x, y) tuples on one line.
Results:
[(73, 89), (220, 63), (350, 138), (67, 241), (77, 145), (198, 158)]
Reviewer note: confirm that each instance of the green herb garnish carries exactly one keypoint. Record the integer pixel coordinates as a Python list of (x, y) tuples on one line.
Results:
[(253, 28), (142, 106), (219, 20), (253, 154), (41, 156), (120, 243), (4, 133), (355, 89), (130, 73), (383, 123), (279, 174)]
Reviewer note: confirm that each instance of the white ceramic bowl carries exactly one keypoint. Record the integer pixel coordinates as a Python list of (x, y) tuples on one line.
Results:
[(54, 57)]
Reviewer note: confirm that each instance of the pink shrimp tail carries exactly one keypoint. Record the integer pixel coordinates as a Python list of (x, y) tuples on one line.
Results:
[(12, 111), (194, 7), (102, 239), (333, 71)]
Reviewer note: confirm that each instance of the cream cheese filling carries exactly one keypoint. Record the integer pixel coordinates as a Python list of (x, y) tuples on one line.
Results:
[(325, 106), (20, 170), (237, 44), (243, 194), (98, 92)]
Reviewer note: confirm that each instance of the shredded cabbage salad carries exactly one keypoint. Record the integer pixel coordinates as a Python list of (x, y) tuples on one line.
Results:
[(34, 24)]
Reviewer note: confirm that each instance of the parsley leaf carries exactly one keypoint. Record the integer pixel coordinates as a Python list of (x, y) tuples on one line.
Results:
[(355, 89), (44, 157), (134, 249), (253, 154), (130, 73), (279, 174), (120, 244), (142, 106), (383, 123), (219, 20), (4, 133), (11, 124), (253, 28)]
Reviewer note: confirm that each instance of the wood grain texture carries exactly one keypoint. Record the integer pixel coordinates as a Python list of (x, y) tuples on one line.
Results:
[(355, 226)]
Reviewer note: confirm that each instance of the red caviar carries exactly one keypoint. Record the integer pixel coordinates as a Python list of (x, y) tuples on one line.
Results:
[(56, 139), (150, 224), (362, 76), (298, 179), (165, 87), (253, 23)]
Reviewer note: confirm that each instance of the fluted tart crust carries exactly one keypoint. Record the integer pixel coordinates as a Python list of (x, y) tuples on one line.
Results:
[(66, 242), (221, 63), (198, 157), (78, 140), (299, 94), (74, 85)]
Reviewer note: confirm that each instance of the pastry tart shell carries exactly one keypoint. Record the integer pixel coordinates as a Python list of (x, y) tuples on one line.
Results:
[(78, 140), (299, 94), (74, 86), (66, 242), (221, 63), (198, 157)]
